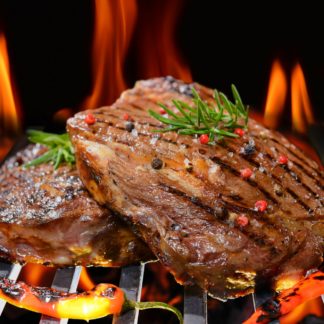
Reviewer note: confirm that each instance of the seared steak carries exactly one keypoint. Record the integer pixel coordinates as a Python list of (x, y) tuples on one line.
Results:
[(189, 201), (48, 217)]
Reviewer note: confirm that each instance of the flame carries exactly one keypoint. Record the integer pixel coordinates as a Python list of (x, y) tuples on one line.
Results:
[(276, 96), (115, 22), (85, 282), (37, 274), (302, 114), (114, 25), (156, 46), (314, 307), (9, 108)]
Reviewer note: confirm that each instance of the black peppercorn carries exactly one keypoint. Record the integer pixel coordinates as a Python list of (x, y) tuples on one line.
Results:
[(157, 164), (175, 227), (220, 212), (249, 149), (129, 126)]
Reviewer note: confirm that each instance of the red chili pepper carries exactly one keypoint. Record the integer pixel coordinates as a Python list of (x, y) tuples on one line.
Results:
[(282, 159), (261, 205), (239, 131), (288, 299), (204, 139), (102, 300), (242, 220), (126, 116), (162, 111), (246, 173), (90, 119)]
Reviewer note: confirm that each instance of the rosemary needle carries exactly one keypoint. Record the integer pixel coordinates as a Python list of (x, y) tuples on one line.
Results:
[(60, 148), (217, 120)]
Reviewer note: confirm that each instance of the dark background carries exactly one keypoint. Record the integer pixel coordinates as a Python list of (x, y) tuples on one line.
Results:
[(50, 44)]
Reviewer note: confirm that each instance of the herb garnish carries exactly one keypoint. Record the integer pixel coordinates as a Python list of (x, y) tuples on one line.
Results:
[(60, 148), (216, 121)]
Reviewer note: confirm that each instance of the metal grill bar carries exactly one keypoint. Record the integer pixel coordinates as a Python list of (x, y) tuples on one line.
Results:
[(66, 280), (195, 305), (260, 297), (131, 281), (10, 271)]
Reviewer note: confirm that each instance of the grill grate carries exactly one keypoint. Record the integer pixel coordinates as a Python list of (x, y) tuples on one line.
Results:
[(131, 280)]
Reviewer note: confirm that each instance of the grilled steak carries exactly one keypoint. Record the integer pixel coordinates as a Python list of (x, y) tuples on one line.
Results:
[(48, 217), (187, 200)]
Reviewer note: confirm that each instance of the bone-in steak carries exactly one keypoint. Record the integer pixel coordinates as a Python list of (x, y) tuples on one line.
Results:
[(48, 217), (187, 200)]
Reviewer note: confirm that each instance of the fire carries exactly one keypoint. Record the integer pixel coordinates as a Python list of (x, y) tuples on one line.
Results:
[(314, 307), (302, 114), (9, 108), (37, 274), (156, 47), (276, 96), (85, 282), (114, 25)]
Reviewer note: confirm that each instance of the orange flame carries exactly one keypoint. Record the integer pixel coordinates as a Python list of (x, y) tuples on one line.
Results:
[(302, 114), (9, 109), (314, 307), (37, 274), (114, 24), (156, 46), (276, 96), (85, 282)]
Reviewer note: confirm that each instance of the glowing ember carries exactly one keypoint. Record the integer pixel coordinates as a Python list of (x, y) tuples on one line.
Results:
[(9, 116), (302, 114), (114, 25), (276, 96)]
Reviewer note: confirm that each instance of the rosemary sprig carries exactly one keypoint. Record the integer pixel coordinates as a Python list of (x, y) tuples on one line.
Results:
[(217, 121), (60, 148)]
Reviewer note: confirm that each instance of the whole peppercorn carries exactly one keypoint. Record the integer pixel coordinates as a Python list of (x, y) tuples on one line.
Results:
[(129, 126), (90, 119), (204, 139), (261, 205), (157, 164)]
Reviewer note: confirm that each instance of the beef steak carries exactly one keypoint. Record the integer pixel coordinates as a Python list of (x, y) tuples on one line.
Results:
[(48, 217), (187, 199)]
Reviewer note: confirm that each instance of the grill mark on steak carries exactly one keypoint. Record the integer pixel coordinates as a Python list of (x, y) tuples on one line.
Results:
[(292, 174), (214, 159), (251, 182), (300, 157), (257, 237), (277, 179), (234, 171)]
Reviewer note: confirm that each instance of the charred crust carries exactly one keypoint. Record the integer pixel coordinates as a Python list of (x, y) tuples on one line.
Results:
[(109, 292), (47, 295), (13, 291)]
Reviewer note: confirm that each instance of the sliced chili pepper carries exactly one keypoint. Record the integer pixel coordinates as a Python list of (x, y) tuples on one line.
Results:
[(102, 300)]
